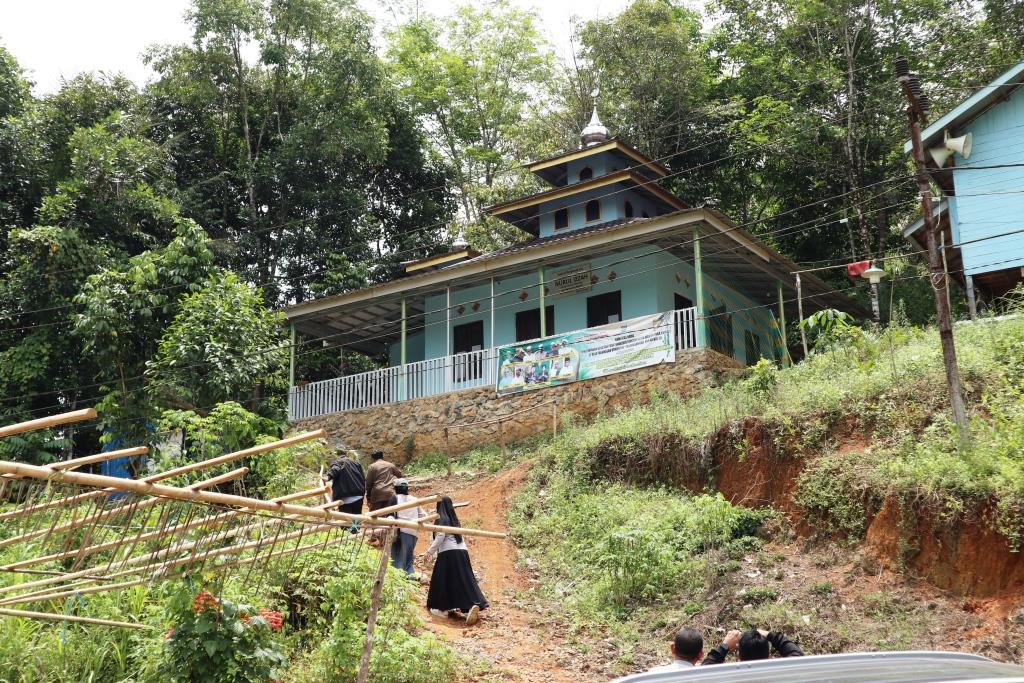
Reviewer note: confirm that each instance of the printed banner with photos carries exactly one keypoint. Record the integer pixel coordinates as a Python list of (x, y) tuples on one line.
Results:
[(585, 354)]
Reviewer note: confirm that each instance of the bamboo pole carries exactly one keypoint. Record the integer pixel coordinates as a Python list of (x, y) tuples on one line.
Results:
[(45, 422), (426, 500), (175, 493), (102, 514), (375, 595), (49, 616), (149, 535), (160, 476), (91, 459)]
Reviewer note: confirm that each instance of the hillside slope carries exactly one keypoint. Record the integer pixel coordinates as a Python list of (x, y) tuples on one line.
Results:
[(828, 500)]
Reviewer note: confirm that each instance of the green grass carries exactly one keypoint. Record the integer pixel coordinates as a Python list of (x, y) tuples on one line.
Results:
[(891, 385)]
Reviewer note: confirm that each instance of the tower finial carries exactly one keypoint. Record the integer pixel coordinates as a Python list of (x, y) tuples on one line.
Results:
[(595, 133)]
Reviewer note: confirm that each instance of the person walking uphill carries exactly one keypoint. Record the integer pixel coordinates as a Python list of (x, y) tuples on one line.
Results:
[(380, 481), (453, 586), (347, 483), (404, 546)]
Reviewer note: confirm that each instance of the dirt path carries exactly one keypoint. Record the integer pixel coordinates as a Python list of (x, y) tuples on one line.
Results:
[(514, 635)]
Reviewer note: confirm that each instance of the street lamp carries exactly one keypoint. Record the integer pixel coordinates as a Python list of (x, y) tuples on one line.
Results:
[(874, 274)]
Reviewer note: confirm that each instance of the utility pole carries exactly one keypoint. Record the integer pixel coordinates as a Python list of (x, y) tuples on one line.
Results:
[(917, 113)]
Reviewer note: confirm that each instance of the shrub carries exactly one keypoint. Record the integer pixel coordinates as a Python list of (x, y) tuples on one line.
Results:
[(402, 652), (213, 640)]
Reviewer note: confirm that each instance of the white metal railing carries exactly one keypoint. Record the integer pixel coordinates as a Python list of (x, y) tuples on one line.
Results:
[(426, 378), (685, 320)]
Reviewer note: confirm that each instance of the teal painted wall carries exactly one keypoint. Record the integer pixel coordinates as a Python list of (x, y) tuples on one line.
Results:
[(612, 197), (647, 277), (991, 201)]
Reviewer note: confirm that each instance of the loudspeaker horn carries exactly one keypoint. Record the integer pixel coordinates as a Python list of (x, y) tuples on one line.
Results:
[(960, 145)]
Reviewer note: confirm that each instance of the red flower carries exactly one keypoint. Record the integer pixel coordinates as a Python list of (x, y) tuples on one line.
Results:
[(203, 601), (273, 618), (169, 634)]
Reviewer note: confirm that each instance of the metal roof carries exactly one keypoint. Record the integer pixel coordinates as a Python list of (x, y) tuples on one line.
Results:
[(367, 319), (972, 107), (876, 667)]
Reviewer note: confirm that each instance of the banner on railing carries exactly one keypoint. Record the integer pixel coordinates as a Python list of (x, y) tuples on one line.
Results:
[(586, 354)]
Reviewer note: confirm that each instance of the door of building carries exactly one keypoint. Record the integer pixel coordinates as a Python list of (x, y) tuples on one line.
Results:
[(604, 308), (468, 338), (528, 323)]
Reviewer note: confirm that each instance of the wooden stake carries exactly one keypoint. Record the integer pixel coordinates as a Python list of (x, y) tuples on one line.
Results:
[(375, 593), (49, 616), (45, 422), (448, 451), (554, 419)]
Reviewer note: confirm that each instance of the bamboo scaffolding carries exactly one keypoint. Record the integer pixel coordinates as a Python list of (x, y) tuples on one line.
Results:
[(175, 493), (103, 514), (45, 422), (156, 533), (161, 476), (146, 560), (49, 616), (45, 595), (148, 536)]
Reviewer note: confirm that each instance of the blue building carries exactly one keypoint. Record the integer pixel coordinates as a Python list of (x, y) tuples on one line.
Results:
[(609, 245), (980, 214)]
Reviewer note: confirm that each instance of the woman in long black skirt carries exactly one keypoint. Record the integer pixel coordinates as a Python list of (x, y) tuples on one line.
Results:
[(453, 588)]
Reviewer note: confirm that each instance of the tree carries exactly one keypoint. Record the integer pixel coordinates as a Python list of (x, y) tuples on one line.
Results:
[(19, 160), (123, 314), (41, 368), (470, 79), (302, 158), (819, 117), (223, 345), (117, 190)]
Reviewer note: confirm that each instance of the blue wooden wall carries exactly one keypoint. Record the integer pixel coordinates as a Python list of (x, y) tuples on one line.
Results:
[(990, 202)]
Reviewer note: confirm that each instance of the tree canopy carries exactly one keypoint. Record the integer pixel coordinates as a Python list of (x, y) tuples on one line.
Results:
[(291, 150)]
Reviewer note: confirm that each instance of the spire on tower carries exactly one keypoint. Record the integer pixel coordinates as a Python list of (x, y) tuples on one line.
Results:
[(595, 132)]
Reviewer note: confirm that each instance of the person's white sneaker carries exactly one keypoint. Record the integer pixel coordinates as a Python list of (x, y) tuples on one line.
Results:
[(473, 615)]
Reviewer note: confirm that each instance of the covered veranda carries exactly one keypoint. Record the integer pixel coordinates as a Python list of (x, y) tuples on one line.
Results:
[(389, 322)]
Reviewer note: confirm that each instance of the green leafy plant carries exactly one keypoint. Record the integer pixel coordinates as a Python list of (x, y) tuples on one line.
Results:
[(213, 640)]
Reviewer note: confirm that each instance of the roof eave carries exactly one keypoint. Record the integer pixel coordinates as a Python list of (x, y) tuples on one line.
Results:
[(971, 107)]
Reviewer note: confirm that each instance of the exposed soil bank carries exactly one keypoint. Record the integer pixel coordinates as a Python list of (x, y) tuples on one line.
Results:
[(750, 466)]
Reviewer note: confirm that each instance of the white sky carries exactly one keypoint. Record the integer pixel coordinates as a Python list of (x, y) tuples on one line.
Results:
[(55, 39)]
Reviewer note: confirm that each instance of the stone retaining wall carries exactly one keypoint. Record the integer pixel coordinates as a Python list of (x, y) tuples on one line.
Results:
[(477, 416)]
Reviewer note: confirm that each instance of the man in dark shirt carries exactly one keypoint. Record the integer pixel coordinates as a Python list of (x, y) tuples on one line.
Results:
[(751, 645), (347, 484), (380, 481)]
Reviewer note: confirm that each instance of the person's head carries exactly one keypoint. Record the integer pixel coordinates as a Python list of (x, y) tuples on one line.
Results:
[(688, 644), (377, 455), (402, 486), (446, 515), (753, 645)]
